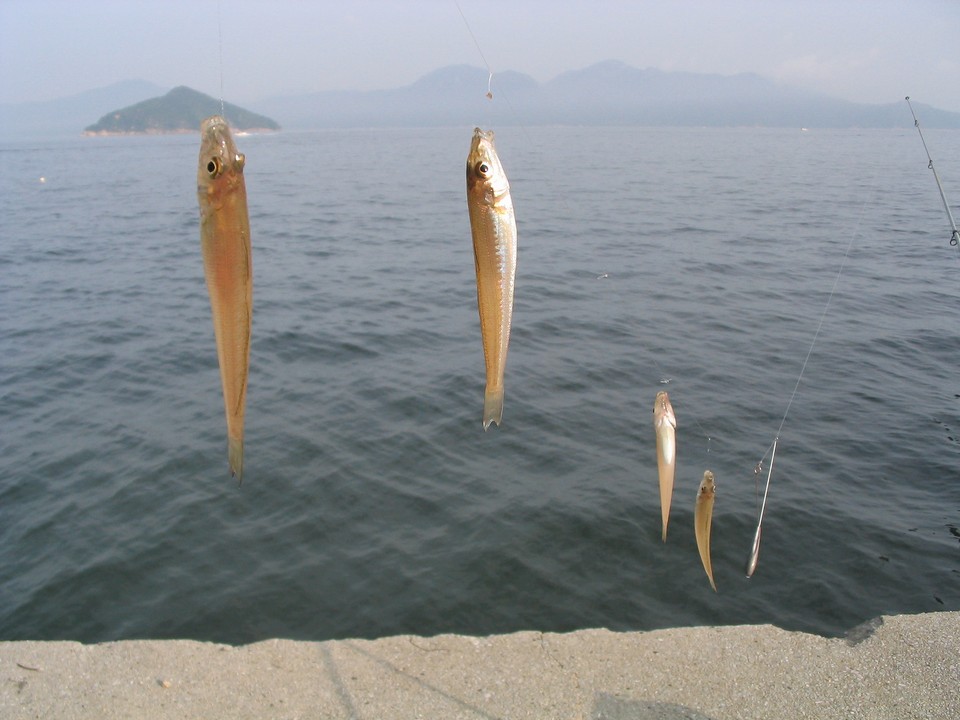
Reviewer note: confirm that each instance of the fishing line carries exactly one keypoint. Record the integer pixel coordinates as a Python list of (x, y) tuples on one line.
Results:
[(666, 380), (755, 549), (479, 50), (955, 236), (489, 94), (220, 45)]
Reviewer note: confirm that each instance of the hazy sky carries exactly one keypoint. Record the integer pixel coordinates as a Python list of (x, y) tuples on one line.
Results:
[(868, 50)]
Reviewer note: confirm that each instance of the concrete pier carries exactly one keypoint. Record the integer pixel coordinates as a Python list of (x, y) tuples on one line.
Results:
[(896, 667)]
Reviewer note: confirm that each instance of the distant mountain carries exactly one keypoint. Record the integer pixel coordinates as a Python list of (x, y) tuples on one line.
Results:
[(448, 96), (65, 116), (607, 93), (612, 92), (180, 110)]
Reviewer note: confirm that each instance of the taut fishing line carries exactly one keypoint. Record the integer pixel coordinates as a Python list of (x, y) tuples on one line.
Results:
[(755, 548), (483, 57), (955, 237), (220, 46), (479, 50)]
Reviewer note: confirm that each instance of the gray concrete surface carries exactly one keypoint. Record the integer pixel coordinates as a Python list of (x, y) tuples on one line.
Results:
[(897, 667)]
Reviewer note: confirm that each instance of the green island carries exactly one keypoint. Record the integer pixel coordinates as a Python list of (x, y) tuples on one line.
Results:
[(179, 111)]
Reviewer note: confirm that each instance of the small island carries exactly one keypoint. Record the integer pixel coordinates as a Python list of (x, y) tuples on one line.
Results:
[(179, 111)]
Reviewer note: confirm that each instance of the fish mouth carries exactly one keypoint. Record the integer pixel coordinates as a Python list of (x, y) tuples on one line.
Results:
[(482, 146), (479, 134), (663, 411), (213, 120), (214, 126)]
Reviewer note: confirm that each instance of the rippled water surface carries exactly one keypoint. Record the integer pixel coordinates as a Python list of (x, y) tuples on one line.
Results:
[(696, 261)]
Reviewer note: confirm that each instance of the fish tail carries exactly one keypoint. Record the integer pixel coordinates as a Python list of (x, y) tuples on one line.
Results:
[(707, 563), (666, 494), (703, 544), (708, 567), (492, 407), (235, 457)]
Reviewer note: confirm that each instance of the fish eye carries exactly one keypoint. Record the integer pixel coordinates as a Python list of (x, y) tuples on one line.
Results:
[(483, 170), (213, 167)]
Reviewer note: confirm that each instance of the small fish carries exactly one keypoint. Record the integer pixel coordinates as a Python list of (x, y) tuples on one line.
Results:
[(665, 423), (494, 232), (225, 241), (702, 519), (754, 554), (755, 548)]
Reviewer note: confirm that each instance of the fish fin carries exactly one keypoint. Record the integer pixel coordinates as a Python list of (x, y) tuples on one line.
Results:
[(705, 558), (492, 407), (235, 457), (666, 495)]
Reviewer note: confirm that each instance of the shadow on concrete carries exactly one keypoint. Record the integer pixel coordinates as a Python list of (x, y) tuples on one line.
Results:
[(424, 685), (337, 681), (610, 707)]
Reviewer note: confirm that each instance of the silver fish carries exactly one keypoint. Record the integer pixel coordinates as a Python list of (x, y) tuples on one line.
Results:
[(494, 232), (665, 424), (702, 520), (754, 554), (755, 547)]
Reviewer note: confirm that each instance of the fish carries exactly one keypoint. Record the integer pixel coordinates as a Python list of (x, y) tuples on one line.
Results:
[(702, 520), (754, 554), (494, 231), (755, 547), (665, 423), (228, 267)]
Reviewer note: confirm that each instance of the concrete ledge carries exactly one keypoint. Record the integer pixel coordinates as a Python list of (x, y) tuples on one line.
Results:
[(897, 667)]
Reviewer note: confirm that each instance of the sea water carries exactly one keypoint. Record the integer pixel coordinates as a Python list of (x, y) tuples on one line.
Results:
[(704, 262)]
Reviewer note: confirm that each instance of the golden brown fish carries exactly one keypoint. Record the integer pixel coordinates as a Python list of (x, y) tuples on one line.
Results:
[(495, 256), (702, 519), (665, 423), (225, 240)]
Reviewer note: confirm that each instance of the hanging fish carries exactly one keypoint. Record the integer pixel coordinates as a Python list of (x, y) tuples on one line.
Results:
[(755, 547), (495, 256), (702, 520), (225, 241), (665, 424)]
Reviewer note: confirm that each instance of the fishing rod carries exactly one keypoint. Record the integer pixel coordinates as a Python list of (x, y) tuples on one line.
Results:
[(954, 240), (955, 237)]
